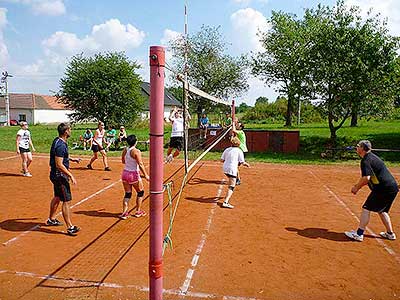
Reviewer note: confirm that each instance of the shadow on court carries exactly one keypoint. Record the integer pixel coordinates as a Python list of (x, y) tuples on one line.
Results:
[(26, 224), (320, 233), (98, 213), (195, 181), (204, 199), (2, 174)]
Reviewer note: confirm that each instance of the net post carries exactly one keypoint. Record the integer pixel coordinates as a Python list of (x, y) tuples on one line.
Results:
[(157, 64), (233, 109), (185, 126)]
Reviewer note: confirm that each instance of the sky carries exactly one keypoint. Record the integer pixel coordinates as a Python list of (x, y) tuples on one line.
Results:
[(38, 37)]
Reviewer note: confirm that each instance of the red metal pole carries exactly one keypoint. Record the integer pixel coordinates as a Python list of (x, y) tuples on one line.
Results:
[(157, 63)]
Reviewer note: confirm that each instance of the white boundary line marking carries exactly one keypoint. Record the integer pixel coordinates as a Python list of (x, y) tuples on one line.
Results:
[(80, 202), (340, 201), (189, 275), (120, 286), (9, 157)]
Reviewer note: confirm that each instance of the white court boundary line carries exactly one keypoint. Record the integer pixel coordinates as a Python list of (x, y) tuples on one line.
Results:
[(189, 275), (184, 289), (120, 286), (14, 239), (9, 157), (370, 231)]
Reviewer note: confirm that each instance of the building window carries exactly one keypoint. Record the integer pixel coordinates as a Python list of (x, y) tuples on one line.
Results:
[(22, 118)]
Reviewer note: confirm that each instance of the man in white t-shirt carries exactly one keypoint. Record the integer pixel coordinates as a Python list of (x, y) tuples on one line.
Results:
[(178, 127), (23, 142), (232, 157)]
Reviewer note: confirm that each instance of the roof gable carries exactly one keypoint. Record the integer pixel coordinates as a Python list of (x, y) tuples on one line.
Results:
[(169, 99)]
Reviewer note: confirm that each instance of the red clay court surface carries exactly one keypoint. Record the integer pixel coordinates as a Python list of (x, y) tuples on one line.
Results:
[(283, 240)]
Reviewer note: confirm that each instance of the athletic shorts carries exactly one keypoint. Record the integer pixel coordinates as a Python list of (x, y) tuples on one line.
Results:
[(61, 188), (230, 175), (95, 148), (176, 142), (130, 176), (379, 201), (24, 150)]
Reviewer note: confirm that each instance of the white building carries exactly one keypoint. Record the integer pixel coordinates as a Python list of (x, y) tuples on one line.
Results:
[(34, 109)]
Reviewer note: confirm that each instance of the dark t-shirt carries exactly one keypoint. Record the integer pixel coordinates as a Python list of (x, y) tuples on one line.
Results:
[(59, 148), (381, 179)]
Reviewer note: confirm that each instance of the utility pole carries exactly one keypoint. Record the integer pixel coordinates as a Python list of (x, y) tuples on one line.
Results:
[(5, 80)]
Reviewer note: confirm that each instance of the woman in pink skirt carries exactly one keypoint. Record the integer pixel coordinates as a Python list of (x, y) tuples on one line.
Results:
[(132, 159)]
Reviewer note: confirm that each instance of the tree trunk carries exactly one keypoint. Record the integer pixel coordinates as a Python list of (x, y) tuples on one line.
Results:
[(332, 130), (354, 119), (289, 111)]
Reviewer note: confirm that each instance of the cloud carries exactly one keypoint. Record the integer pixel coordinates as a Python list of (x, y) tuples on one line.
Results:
[(44, 74), (3, 46), (389, 9), (258, 89), (246, 23), (109, 36), (44, 7), (169, 35)]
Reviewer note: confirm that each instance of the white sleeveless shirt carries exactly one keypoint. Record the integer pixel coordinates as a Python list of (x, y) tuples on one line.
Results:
[(177, 127), (100, 135), (130, 163)]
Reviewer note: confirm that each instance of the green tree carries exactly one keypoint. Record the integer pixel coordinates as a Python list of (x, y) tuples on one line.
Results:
[(243, 107), (261, 100), (354, 58), (284, 58), (209, 67), (104, 87)]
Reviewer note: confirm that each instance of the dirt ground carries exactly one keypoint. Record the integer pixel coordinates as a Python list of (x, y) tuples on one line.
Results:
[(283, 240)]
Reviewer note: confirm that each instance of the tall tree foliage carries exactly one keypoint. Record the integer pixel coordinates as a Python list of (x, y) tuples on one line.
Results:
[(209, 67), (284, 59), (105, 87), (353, 61), (332, 56)]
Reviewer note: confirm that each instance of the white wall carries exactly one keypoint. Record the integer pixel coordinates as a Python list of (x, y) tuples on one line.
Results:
[(51, 116)]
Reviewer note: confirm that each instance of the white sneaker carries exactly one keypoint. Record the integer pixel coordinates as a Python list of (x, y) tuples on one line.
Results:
[(388, 236), (354, 236), (27, 174), (227, 205), (169, 159)]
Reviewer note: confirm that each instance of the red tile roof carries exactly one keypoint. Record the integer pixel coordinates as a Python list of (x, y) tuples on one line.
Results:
[(32, 101)]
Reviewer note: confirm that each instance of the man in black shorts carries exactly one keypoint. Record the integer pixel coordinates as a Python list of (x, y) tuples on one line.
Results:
[(178, 127), (60, 176), (384, 189)]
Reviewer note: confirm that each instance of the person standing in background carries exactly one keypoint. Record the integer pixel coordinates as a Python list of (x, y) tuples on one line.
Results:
[(23, 142)]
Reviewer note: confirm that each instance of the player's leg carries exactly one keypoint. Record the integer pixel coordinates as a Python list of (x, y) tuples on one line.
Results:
[(138, 186), (95, 149), (28, 159), (105, 161), (126, 199), (24, 160), (229, 192)]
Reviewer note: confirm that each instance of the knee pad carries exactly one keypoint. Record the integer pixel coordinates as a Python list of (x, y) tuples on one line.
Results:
[(128, 195), (140, 194), (231, 187)]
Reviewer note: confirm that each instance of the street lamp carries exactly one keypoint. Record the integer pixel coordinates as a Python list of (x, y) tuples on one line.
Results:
[(5, 81)]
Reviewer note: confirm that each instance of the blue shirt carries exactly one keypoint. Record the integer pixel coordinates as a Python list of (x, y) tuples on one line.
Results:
[(204, 121), (59, 148)]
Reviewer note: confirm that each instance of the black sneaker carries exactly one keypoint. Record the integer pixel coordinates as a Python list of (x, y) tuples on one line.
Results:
[(107, 169), (73, 230), (54, 222), (89, 166)]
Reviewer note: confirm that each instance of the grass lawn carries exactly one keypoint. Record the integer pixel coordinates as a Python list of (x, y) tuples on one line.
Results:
[(313, 141)]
